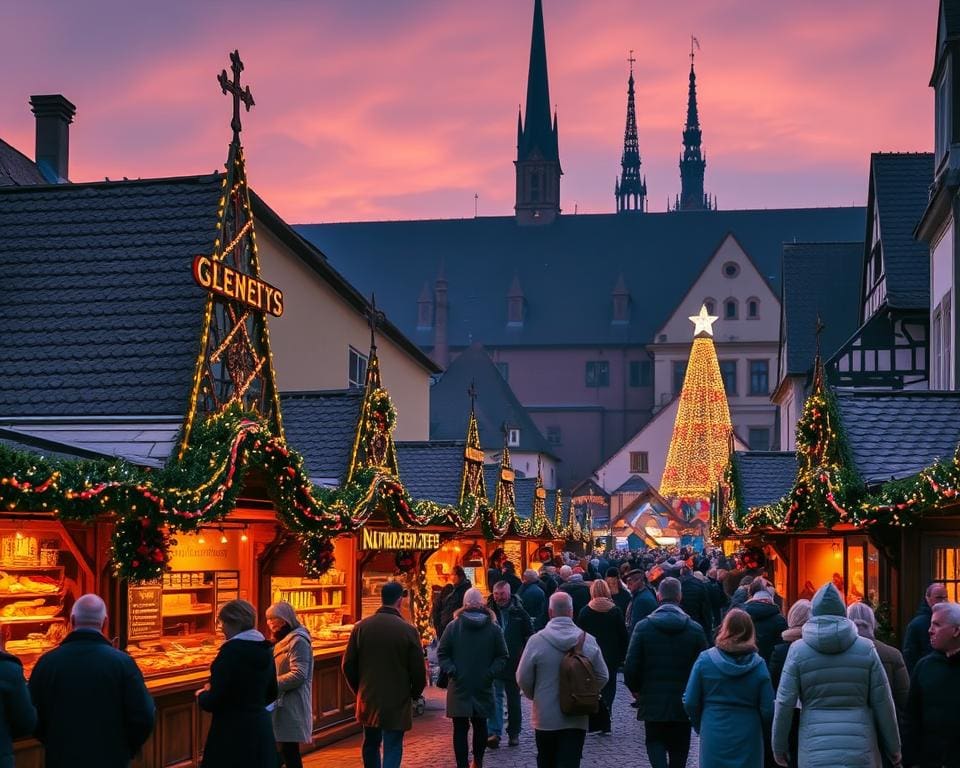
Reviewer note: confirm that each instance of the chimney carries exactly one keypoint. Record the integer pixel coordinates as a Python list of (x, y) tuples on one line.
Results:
[(54, 115)]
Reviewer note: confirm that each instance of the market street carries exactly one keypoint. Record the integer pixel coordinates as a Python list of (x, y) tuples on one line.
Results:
[(430, 742)]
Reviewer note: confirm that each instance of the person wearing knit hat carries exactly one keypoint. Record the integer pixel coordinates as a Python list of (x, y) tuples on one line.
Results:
[(293, 658), (847, 713)]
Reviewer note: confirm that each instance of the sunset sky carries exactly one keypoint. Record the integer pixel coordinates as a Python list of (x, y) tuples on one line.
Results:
[(385, 109)]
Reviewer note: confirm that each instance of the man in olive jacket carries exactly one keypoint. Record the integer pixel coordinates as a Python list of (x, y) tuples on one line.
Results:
[(662, 651), (384, 667), (93, 708)]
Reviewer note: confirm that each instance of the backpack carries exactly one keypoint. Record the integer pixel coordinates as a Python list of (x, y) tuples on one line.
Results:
[(579, 690)]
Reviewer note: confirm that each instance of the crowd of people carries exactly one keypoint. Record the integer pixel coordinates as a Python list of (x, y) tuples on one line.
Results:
[(703, 646)]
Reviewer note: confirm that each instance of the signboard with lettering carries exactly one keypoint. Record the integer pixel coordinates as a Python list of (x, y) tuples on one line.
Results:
[(374, 539), (206, 552), (231, 283), (144, 617)]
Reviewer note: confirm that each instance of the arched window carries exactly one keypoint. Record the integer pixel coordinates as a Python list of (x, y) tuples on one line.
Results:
[(753, 308), (730, 309), (711, 305)]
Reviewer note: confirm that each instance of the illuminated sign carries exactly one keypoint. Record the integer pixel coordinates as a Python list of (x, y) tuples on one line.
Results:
[(507, 475), (217, 277), (373, 539), (473, 454)]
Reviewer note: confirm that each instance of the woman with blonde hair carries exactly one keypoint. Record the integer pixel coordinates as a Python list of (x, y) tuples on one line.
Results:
[(293, 658), (863, 616), (472, 652), (242, 683), (729, 698), (603, 619)]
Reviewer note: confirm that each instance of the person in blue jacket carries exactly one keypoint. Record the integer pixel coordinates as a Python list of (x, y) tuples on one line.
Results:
[(729, 698)]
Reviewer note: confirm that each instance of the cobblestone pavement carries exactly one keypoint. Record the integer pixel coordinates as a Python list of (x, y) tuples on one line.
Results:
[(430, 743)]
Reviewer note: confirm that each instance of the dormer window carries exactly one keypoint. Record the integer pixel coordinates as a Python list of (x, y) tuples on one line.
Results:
[(515, 310), (513, 437)]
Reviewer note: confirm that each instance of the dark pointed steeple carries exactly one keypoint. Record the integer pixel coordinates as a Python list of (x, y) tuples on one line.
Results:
[(630, 189), (538, 156), (693, 162)]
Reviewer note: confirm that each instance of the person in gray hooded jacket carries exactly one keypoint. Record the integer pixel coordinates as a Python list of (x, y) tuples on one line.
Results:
[(845, 699), (293, 657), (559, 737)]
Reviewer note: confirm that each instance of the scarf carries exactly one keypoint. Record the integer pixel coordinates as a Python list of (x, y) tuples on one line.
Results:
[(601, 604), (792, 633)]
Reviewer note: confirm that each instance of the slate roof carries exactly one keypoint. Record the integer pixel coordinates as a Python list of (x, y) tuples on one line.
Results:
[(634, 484), (496, 404), (432, 469), (765, 476), (322, 426), (45, 448), (100, 313), (896, 434), (147, 443), (16, 169), (567, 269), (901, 189), (819, 278)]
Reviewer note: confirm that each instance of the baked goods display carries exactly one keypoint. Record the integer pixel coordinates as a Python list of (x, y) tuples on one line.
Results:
[(11, 584), (169, 655), (322, 604)]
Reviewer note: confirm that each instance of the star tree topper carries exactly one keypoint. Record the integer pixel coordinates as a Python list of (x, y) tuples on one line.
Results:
[(703, 323)]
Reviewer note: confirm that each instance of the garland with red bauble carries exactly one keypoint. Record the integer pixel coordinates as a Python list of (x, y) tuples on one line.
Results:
[(404, 561)]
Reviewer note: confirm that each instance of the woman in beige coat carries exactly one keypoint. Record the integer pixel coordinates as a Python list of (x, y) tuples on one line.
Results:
[(862, 615), (293, 656)]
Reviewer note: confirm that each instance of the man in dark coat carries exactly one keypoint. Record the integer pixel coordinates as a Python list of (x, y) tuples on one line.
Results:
[(454, 599), (718, 598), (930, 734), (662, 651), (93, 708), (768, 622), (643, 600), (574, 585), (384, 667), (517, 628), (696, 600), (19, 716), (548, 580), (916, 638), (534, 600)]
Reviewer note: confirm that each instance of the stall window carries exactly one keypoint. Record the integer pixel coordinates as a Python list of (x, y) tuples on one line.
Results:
[(820, 561), (946, 568)]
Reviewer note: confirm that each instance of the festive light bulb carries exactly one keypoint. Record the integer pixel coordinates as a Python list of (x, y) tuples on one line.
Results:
[(201, 540), (19, 535), (244, 537), (223, 538)]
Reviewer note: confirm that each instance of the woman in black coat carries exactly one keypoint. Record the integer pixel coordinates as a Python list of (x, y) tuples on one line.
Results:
[(796, 617), (603, 619), (243, 682)]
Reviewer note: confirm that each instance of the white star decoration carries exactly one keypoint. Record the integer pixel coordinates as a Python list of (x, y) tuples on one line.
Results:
[(703, 322)]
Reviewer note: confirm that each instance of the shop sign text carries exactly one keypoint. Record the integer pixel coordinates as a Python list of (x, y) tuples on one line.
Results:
[(374, 539)]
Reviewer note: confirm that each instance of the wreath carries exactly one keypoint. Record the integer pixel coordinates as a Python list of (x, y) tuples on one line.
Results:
[(382, 411), (545, 554), (316, 555), (404, 561)]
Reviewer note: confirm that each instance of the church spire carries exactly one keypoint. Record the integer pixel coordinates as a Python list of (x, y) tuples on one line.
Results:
[(538, 156), (630, 189), (693, 163)]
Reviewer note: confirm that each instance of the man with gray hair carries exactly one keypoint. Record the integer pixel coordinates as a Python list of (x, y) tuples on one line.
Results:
[(662, 651), (559, 737), (916, 637), (930, 733), (534, 600), (93, 708)]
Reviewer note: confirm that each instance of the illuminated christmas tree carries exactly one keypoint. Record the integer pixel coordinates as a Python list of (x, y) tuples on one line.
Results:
[(700, 445)]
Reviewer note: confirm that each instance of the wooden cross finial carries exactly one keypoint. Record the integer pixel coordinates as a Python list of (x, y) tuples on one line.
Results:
[(472, 394), (631, 60), (818, 329), (239, 94), (375, 317)]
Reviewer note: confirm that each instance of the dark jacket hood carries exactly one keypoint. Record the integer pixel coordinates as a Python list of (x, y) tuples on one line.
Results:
[(475, 618), (669, 618), (734, 665)]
